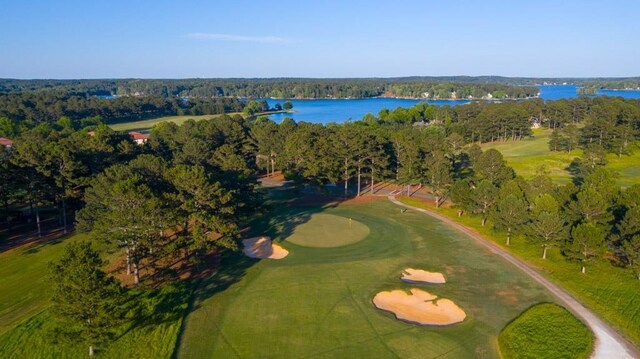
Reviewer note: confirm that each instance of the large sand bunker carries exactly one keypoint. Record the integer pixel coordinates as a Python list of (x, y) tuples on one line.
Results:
[(411, 275), (261, 247), (419, 307)]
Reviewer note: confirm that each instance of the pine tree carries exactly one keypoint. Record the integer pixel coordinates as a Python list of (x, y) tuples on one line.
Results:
[(587, 243), (85, 301)]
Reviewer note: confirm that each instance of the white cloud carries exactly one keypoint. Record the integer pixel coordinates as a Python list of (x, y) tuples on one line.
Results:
[(239, 38)]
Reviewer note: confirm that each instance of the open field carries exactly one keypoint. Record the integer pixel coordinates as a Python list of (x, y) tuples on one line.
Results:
[(317, 302), (546, 331), (146, 125), (615, 301), (528, 155)]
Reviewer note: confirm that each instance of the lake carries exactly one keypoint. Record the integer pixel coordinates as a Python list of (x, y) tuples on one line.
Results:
[(340, 110)]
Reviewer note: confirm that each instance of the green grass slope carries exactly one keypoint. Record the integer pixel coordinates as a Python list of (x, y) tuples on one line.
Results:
[(146, 125), (317, 302), (526, 156), (23, 288), (25, 323), (546, 331)]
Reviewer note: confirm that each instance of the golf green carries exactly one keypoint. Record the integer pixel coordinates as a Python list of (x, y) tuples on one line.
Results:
[(327, 230), (317, 302)]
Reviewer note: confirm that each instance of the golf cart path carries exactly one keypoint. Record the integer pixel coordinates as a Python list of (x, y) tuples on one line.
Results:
[(608, 343)]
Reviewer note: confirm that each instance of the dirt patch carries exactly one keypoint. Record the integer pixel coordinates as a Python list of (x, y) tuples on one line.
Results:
[(411, 275), (419, 307), (263, 248)]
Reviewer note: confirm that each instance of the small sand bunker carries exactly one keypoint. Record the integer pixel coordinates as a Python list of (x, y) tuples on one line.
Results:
[(411, 275), (261, 247), (419, 307)]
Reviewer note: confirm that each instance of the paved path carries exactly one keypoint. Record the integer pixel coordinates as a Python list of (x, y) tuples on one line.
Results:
[(608, 344)]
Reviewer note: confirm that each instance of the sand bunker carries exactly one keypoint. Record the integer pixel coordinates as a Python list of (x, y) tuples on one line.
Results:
[(411, 275), (261, 247), (419, 307)]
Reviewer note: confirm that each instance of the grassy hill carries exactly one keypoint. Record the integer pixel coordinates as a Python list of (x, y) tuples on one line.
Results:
[(528, 155), (146, 125)]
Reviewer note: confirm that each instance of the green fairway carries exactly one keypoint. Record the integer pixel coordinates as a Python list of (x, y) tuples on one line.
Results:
[(546, 331), (326, 230), (317, 302), (617, 301), (146, 125), (526, 157)]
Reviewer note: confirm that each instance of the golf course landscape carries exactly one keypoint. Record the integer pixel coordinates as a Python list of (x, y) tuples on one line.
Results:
[(317, 302)]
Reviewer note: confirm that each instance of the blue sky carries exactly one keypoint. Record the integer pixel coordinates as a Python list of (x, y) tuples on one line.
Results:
[(323, 38)]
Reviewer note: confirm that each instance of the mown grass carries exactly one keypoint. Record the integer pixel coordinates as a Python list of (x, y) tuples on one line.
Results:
[(325, 231), (152, 334), (545, 331), (317, 302), (25, 323), (24, 286), (528, 155), (146, 125), (609, 291)]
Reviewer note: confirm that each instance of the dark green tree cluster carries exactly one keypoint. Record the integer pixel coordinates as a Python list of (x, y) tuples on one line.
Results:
[(28, 109), (416, 87)]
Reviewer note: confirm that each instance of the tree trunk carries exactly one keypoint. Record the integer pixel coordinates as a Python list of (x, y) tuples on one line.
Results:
[(136, 274), (437, 202), (64, 206), (359, 179), (91, 350), (273, 166), (128, 261), (372, 181), (6, 214), (346, 177), (38, 222), (544, 252)]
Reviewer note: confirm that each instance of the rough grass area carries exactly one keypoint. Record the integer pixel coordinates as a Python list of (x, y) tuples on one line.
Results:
[(528, 155), (25, 322), (23, 287), (152, 335), (326, 230), (545, 331), (609, 291), (317, 302), (146, 125)]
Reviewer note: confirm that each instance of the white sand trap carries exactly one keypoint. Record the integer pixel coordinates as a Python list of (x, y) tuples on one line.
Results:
[(411, 275), (261, 247), (419, 307)]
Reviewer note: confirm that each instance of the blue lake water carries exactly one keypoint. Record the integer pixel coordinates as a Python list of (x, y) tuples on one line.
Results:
[(340, 110)]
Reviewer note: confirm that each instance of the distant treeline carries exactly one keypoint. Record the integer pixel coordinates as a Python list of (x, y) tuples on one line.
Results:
[(417, 87), (34, 107)]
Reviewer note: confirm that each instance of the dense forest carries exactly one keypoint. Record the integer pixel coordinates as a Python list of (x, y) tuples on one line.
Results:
[(31, 108), (279, 88)]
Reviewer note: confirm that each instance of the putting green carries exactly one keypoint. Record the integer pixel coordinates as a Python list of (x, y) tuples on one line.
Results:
[(327, 231)]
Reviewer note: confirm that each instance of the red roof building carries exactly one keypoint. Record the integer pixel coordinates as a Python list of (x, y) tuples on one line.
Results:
[(139, 138), (5, 142)]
